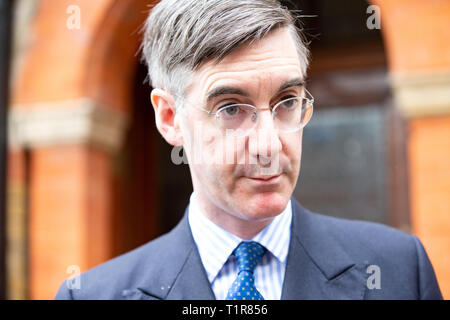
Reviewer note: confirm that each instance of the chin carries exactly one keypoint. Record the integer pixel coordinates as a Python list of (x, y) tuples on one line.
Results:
[(265, 205)]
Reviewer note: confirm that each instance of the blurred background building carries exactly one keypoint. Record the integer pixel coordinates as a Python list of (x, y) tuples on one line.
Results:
[(89, 177)]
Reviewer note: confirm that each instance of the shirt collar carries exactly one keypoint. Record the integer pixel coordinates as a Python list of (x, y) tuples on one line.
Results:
[(216, 244)]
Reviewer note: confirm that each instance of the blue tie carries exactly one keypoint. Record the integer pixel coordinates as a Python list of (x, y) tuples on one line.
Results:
[(248, 254)]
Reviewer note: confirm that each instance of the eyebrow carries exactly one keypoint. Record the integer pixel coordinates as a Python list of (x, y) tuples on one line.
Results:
[(216, 92), (297, 82)]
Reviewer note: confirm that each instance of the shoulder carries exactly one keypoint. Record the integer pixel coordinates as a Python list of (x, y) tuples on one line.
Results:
[(398, 256), (363, 233), (362, 240), (112, 279)]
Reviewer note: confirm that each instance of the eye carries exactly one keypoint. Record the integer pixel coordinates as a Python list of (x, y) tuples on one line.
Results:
[(222, 105), (288, 96), (289, 102), (230, 110)]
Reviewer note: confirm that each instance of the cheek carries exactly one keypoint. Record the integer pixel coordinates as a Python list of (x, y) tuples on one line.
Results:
[(293, 151), (220, 149), (200, 141), (211, 148)]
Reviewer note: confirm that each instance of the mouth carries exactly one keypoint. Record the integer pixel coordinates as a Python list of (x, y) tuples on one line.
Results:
[(266, 179)]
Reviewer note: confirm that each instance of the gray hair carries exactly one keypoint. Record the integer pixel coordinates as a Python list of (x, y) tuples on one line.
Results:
[(180, 35)]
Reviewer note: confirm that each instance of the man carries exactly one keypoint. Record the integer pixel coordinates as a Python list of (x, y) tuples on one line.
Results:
[(228, 80)]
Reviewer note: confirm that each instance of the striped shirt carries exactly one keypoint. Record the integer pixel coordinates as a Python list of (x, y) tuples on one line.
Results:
[(215, 246)]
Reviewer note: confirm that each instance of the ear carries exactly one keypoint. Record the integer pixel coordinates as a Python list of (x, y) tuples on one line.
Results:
[(166, 117)]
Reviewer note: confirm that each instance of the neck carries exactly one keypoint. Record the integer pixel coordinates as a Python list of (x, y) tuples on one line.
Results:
[(232, 222)]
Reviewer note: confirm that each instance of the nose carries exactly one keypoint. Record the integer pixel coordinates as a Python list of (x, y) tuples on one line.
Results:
[(265, 142)]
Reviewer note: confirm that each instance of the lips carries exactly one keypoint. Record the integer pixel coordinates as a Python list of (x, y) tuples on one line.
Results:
[(265, 178)]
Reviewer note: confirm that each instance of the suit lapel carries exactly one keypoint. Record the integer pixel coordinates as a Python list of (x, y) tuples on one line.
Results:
[(181, 274), (192, 282), (318, 267)]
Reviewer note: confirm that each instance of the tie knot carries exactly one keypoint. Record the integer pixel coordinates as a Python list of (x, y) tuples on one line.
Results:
[(248, 254)]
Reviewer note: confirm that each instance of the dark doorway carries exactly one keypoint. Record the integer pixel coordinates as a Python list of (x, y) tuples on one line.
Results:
[(353, 160), (151, 193)]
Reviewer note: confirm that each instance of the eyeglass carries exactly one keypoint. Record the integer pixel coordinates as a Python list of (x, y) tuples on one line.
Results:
[(289, 115)]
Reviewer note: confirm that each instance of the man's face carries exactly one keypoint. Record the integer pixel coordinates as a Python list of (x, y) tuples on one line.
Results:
[(242, 189)]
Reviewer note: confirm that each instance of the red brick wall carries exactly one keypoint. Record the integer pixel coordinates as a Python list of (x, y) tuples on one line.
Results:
[(416, 35), (71, 187)]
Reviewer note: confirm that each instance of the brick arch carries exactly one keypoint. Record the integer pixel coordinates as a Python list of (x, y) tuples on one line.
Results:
[(81, 78), (112, 58), (96, 61)]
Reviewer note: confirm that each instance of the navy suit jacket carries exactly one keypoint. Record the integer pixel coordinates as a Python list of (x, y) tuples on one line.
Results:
[(328, 258)]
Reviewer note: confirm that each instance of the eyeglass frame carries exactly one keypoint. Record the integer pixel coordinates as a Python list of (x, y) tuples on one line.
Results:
[(310, 102)]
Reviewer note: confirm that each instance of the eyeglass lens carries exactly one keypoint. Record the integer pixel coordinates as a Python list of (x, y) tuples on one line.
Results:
[(289, 115)]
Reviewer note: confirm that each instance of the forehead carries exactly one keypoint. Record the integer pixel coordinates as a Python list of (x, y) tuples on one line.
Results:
[(260, 66)]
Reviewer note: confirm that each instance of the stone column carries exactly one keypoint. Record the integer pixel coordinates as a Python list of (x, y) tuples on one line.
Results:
[(72, 91), (417, 37)]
